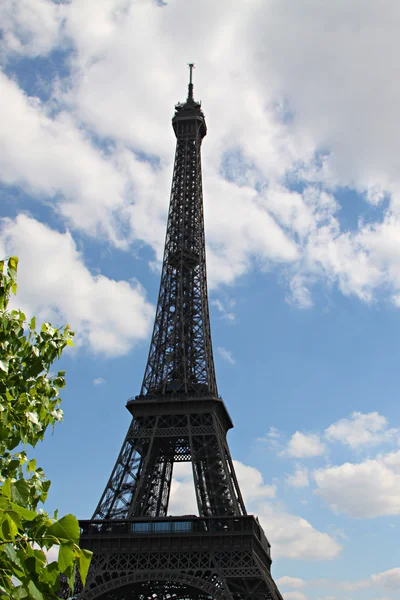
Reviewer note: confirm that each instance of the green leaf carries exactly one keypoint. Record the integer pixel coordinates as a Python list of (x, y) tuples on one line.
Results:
[(19, 593), (6, 489), (4, 364), (66, 528), (31, 466), (13, 464), (8, 528), (51, 574), (4, 433), (12, 555), (66, 558), (4, 503), (14, 440), (29, 404), (14, 516), (20, 492), (46, 485), (34, 592), (24, 513), (85, 557), (13, 263)]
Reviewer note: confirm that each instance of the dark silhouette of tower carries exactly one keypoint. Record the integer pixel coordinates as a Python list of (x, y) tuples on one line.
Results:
[(139, 552)]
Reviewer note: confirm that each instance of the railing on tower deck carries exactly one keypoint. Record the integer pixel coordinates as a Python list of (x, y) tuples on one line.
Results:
[(187, 524)]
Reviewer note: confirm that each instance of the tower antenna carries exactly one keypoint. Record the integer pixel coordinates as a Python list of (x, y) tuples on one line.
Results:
[(190, 92)]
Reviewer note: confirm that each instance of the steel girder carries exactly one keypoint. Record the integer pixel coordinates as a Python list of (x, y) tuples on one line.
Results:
[(141, 479), (180, 359)]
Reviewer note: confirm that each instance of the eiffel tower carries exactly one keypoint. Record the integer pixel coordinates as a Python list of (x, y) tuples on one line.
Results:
[(140, 553)]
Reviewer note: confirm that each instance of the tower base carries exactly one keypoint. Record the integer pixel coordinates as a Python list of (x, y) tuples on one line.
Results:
[(179, 558)]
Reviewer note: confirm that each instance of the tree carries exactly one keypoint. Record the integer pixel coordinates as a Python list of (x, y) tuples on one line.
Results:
[(29, 404)]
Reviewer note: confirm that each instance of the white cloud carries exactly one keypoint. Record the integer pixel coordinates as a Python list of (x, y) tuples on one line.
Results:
[(290, 582), (293, 537), (228, 315), (351, 586), (30, 29), (226, 355), (388, 579), (182, 500), (295, 596), (273, 433), (302, 445), (99, 381), (361, 429), (333, 94), (110, 316), (300, 294), (252, 484), (290, 535), (246, 162), (51, 158), (249, 234), (362, 490), (320, 127), (272, 438), (299, 479)]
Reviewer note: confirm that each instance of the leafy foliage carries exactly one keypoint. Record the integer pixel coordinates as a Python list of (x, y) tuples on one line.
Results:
[(29, 404)]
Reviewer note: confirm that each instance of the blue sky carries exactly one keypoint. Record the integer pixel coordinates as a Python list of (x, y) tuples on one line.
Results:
[(302, 206)]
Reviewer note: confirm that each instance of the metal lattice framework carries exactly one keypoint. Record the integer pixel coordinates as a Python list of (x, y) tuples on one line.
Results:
[(180, 358), (178, 417), (140, 482), (223, 558)]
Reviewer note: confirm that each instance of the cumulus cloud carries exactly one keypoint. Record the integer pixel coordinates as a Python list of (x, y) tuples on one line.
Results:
[(291, 536), (299, 479), (302, 445), (290, 582), (54, 283), (51, 158), (312, 132), (252, 483), (182, 500), (362, 490), (388, 579), (28, 29), (295, 596), (362, 429), (267, 144), (99, 381)]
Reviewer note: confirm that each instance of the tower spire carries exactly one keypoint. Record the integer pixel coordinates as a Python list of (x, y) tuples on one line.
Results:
[(190, 87), (180, 359)]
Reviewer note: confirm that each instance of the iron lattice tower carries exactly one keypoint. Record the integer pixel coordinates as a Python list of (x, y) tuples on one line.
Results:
[(139, 552)]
